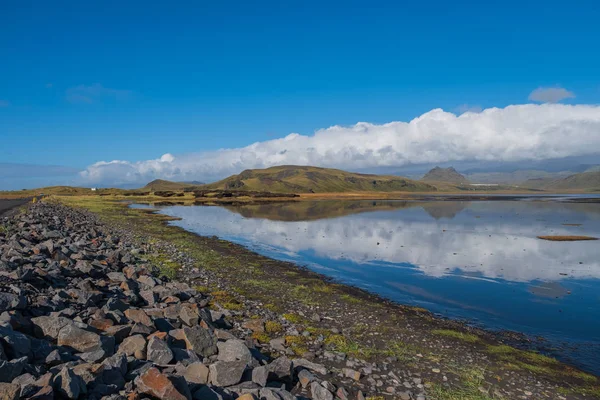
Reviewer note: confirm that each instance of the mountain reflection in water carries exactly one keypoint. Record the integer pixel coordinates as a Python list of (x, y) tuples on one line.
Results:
[(474, 260)]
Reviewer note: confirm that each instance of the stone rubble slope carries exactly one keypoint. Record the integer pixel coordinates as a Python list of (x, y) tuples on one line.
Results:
[(82, 315)]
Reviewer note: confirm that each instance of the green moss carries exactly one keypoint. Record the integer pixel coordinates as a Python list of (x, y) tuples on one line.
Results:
[(273, 327), (537, 363), (227, 300), (261, 337), (323, 288), (471, 380), (344, 345), (234, 306), (261, 284), (293, 318), (272, 307), (319, 331), (592, 391), (465, 337), (400, 350), (350, 299), (202, 289)]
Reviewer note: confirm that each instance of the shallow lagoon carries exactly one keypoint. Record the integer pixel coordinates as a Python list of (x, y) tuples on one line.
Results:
[(478, 261)]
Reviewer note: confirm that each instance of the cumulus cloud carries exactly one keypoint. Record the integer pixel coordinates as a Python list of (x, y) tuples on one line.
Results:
[(463, 108), (550, 94), (514, 133), (91, 93)]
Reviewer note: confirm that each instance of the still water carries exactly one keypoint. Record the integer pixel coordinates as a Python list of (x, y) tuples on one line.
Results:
[(478, 261)]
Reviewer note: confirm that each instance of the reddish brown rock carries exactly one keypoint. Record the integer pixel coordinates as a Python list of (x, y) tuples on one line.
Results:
[(158, 385), (102, 324), (138, 316)]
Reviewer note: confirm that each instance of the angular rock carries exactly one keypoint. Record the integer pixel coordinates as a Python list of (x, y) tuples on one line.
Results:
[(138, 316), (9, 370), (196, 373), (318, 368), (189, 316), (114, 370), (119, 332), (207, 393), (199, 340), (351, 373), (158, 385), (260, 375), (134, 346), (233, 350), (69, 385), (10, 301), (158, 351), (281, 367), (49, 327), (226, 373), (10, 391), (318, 392), (84, 341), (45, 393), (276, 394), (342, 394), (16, 344), (305, 377)]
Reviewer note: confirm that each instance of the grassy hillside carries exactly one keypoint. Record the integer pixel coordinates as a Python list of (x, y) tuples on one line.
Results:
[(588, 181), (301, 179), (59, 190), (160, 185), (585, 180)]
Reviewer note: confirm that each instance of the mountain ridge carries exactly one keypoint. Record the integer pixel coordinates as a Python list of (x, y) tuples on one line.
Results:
[(307, 179)]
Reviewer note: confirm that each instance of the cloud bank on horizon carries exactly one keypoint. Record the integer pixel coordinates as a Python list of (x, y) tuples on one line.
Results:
[(513, 133)]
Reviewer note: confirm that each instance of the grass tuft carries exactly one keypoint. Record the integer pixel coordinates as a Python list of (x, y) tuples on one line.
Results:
[(293, 318), (465, 337), (261, 337), (273, 327)]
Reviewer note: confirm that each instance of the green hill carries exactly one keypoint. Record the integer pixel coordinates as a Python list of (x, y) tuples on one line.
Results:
[(584, 180), (581, 181), (161, 184), (303, 179)]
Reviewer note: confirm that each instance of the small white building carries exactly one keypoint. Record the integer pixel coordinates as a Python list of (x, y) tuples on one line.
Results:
[(93, 189)]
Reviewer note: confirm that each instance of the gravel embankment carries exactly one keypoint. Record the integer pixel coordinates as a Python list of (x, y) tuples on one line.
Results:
[(84, 316)]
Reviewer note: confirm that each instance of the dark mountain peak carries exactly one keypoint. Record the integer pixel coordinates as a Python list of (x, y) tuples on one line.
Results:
[(449, 175)]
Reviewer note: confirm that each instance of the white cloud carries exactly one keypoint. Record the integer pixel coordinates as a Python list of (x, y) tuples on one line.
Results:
[(514, 133), (463, 108), (550, 94), (91, 93)]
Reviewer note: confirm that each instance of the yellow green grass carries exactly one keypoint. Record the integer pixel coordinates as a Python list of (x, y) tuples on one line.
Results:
[(465, 337)]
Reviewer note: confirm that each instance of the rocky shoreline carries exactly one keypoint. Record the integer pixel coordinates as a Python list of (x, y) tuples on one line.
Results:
[(89, 310)]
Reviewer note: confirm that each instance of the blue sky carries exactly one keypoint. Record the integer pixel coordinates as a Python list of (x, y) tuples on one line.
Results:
[(82, 82)]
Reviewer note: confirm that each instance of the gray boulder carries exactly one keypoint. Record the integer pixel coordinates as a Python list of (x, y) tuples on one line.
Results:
[(226, 373), (158, 351)]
